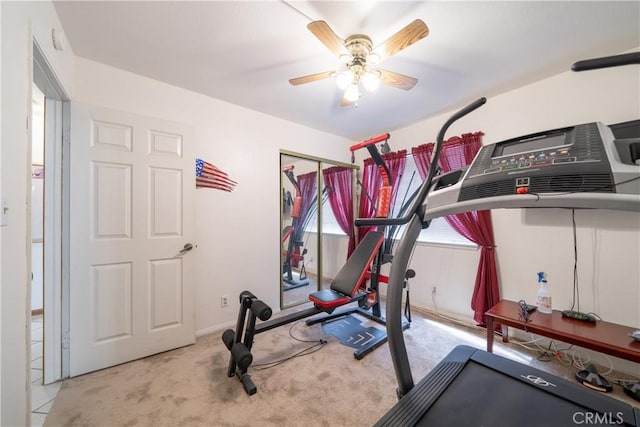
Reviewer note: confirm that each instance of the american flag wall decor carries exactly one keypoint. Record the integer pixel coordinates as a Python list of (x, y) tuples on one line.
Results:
[(210, 176)]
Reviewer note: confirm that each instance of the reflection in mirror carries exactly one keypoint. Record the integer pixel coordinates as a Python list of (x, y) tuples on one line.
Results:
[(337, 219), (316, 224), (299, 225)]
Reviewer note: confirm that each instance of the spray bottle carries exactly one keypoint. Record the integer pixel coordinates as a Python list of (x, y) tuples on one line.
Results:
[(543, 300)]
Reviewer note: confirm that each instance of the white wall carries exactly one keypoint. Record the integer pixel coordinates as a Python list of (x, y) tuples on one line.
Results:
[(530, 240), (238, 232), (20, 22), (1, 259), (37, 204), (37, 283)]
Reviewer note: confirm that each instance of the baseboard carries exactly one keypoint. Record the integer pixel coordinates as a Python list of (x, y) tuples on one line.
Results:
[(215, 329), (446, 316)]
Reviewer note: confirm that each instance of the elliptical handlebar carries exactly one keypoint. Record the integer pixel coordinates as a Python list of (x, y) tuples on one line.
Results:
[(370, 145), (370, 141), (288, 171), (424, 188)]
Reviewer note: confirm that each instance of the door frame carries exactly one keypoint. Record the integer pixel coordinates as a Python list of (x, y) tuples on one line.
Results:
[(56, 223)]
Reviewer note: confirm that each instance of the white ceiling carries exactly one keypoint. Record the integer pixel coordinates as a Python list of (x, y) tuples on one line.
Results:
[(245, 52)]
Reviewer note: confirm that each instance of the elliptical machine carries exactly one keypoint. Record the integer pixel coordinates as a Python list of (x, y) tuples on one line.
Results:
[(294, 234), (347, 287)]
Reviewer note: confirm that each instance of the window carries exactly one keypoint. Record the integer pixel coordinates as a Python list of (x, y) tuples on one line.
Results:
[(329, 222), (439, 231)]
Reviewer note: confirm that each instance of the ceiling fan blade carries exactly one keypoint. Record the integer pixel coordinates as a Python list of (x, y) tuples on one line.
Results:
[(325, 34), (407, 36), (311, 78), (400, 81)]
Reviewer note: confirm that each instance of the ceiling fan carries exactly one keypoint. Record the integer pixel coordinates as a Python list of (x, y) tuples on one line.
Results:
[(358, 53)]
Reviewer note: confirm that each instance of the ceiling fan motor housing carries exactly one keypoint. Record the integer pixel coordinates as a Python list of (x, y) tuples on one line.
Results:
[(359, 45)]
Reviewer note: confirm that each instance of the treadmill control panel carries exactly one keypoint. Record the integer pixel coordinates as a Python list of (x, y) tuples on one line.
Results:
[(533, 159), (567, 159)]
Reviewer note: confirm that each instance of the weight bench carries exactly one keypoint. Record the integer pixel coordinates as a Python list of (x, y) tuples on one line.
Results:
[(344, 289), (345, 286)]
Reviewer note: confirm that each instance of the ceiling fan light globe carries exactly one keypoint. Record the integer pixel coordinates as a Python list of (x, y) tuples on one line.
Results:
[(352, 93), (345, 58), (371, 81), (373, 58), (344, 79)]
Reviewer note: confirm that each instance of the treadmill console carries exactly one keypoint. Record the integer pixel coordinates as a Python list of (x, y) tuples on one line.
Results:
[(581, 166), (569, 159)]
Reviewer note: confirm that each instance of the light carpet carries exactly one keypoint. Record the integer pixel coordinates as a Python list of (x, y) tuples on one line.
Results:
[(189, 386)]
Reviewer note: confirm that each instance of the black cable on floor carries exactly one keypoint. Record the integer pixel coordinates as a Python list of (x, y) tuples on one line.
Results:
[(319, 344)]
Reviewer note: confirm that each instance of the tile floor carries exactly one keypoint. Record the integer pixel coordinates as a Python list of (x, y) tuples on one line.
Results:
[(42, 396)]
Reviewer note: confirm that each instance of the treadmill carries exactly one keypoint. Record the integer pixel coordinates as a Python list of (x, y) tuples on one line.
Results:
[(471, 386)]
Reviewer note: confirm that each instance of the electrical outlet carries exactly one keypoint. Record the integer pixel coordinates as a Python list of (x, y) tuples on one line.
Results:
[(224, 301)]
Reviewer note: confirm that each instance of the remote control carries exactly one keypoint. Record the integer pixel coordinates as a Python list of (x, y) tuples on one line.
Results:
[(579, 316)]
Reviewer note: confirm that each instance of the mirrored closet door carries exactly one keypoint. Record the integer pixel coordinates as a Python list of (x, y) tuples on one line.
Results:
[(313, 242)]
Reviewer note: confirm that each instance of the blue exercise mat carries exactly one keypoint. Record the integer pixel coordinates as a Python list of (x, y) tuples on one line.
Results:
[(351, 332)]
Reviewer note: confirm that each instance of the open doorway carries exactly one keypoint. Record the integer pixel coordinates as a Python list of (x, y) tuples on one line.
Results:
[(41, 395), (48, 119), (37, 200)]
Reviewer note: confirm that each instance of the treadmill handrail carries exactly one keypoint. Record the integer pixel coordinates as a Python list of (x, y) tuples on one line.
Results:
[(607, 61), (424, 188), (401, 260)]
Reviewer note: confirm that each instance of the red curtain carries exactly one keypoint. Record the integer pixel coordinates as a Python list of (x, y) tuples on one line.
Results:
[(476, 226), (337, 181), (422, 158), (308, 184), (372, 181)]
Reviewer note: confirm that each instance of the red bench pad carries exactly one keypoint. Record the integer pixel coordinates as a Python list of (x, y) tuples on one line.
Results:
[(327, 298)]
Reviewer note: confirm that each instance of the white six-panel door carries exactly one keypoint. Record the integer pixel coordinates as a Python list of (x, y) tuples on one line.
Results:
[(132, 290)]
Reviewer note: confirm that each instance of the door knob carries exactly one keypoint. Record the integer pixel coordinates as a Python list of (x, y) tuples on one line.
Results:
[(187, 247)]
